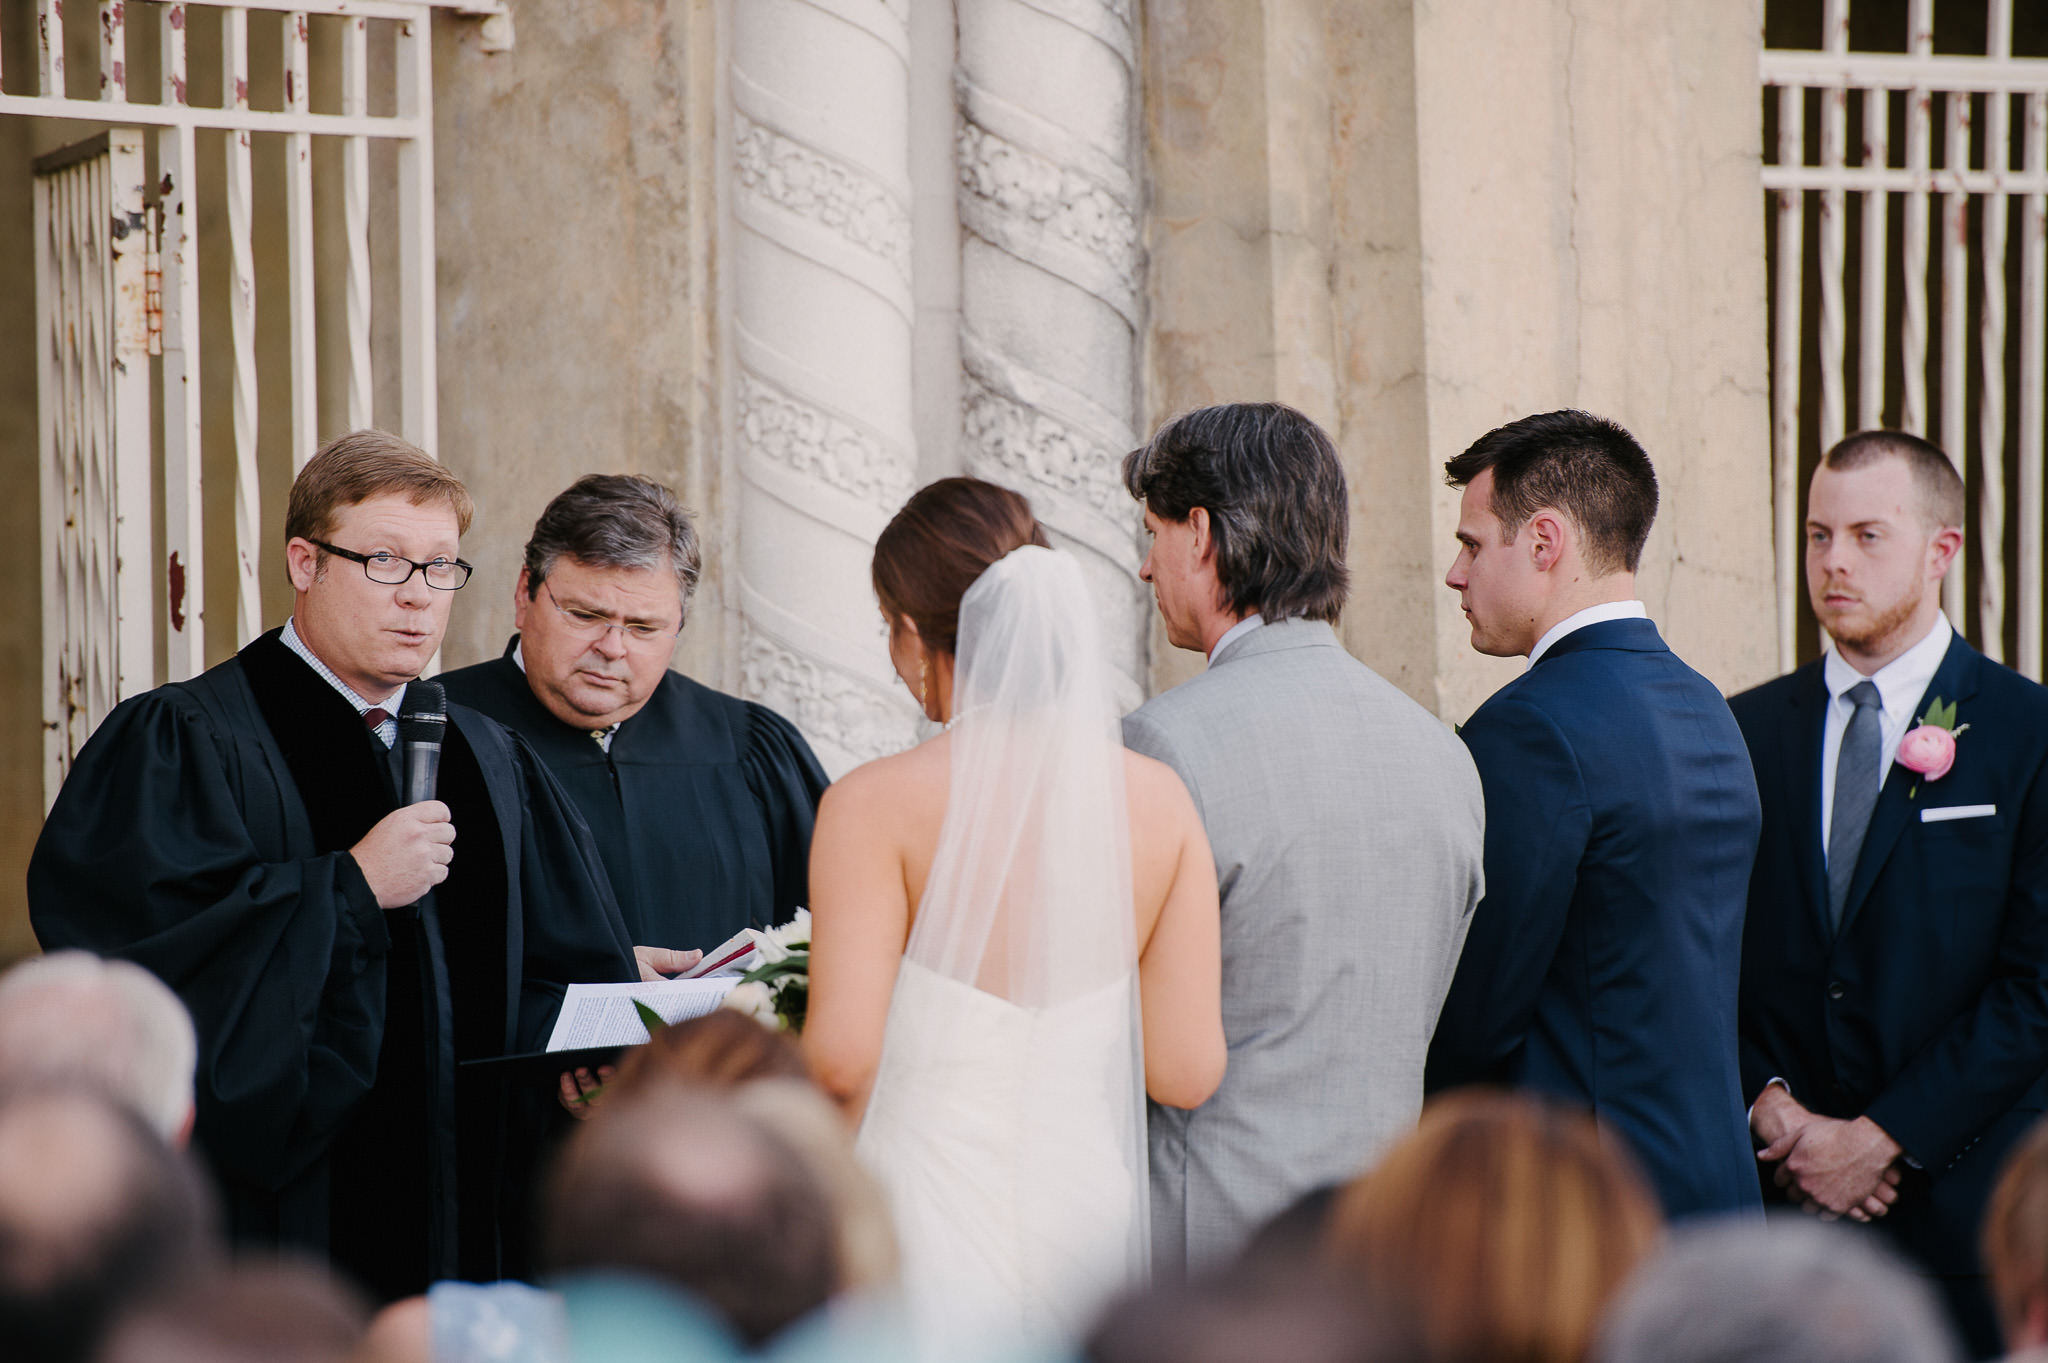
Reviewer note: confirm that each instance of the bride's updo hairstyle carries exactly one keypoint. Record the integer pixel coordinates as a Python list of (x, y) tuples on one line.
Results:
[(945, 537)]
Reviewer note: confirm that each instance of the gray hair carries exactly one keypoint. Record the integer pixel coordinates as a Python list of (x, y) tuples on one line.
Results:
[(615, 520), (72, 1017), (1788, 1290)]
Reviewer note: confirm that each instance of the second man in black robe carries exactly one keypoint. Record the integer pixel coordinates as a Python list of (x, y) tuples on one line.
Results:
[(700, 803)]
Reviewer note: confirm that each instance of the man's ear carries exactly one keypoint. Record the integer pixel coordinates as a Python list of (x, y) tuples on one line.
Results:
[(301, 563), (521, 599), (1547, 532), (1944, 550), (1205, 542)]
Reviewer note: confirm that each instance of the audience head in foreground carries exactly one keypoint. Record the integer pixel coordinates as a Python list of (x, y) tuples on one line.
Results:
[(73, 1018), (259, 1312), (1555, 513), (1275, 1317), (2016, 1244), (1248, 512), (96, 1215), (1787, 1291), (1504, 1224), (684, 1188)]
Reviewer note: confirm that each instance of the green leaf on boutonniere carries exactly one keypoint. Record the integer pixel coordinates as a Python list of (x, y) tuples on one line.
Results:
[(649, 1019), (1940, 714)]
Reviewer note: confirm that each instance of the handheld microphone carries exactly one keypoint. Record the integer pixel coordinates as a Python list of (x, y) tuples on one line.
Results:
[(421, 723)]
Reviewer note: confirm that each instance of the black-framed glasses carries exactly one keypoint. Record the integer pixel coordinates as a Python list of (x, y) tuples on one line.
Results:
[(393, 570), (591, 625)]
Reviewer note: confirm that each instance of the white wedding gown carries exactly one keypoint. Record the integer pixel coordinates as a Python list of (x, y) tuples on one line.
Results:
[(1006, 1119)]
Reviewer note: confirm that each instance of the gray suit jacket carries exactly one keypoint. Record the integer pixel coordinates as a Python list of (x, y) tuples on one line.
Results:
[(1349, 833)]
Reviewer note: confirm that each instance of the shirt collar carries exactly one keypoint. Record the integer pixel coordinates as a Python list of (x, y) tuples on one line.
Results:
[(1237, 631), (1591, 615), (1900, 682), (390, 705)]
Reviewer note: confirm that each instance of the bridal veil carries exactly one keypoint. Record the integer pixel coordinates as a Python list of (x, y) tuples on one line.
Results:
[(1008, 1112)]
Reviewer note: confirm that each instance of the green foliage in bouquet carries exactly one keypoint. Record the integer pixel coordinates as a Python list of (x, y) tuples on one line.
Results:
[(788, 982), (649, 1019)]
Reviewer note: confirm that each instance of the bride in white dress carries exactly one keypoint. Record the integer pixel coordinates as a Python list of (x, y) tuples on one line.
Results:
[(1014, 939)]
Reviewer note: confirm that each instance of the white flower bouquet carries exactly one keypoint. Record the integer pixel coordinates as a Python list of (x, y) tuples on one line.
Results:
[(777, 991)]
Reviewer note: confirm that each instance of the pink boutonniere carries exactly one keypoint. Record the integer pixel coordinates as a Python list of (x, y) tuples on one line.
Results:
[(1930, 747)]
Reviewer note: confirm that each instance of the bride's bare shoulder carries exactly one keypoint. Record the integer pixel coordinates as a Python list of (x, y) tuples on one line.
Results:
[(1157, 797), (883, 788)]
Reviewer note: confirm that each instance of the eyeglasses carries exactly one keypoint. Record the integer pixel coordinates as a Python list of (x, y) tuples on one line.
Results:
[(593, 625), (392, 570)]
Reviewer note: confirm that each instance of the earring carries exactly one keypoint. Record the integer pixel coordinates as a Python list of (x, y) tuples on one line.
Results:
[(923, 669)]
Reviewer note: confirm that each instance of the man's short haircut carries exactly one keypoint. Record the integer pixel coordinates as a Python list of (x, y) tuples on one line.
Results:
[(363, 464), (680, 1186), (2016, 1230), (72, 1017), (1935, 478), (1787, 1291), (1279, 512), (1584, 467), (97, 1215), (615, 520)]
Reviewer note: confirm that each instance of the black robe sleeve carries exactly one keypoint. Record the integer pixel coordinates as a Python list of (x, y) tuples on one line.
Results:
[(155, 853), (786, 781)]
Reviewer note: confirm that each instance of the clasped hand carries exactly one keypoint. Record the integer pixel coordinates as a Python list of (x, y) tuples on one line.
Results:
[(1832, 1167)]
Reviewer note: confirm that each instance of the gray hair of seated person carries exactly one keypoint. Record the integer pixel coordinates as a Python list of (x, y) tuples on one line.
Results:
[(615, 520), (72, 1018), (1789, 1290), (682, 1187)]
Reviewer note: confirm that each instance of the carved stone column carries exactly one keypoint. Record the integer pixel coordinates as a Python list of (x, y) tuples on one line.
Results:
[(820, 377), (1051, 280)]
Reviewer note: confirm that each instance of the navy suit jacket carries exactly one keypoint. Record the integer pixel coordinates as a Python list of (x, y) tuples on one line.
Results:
[(1621, 820), (1928, 1011)]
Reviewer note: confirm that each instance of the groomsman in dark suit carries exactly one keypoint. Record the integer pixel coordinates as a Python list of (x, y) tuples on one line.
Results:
[(1621, 819), (1895, 964)]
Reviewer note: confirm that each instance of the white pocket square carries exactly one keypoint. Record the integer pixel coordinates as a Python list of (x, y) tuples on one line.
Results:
[(1957, 812)]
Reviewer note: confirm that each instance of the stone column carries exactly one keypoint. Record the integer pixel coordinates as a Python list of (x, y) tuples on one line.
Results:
[(820, 378), (1051, 281)]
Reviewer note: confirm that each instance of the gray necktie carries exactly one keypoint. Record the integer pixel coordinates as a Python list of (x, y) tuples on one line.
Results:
[(1856, 786)]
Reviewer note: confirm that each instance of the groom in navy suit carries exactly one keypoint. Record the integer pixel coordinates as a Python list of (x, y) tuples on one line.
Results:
[(1895, 965), (1621, 820)]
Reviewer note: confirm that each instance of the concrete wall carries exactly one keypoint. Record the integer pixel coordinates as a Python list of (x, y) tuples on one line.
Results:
[(1419, 221), (575, 183)]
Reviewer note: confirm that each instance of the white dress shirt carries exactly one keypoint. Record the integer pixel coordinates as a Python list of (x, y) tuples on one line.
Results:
[(1591, 615), (1238, 630), (388, 730), (1900, 684)]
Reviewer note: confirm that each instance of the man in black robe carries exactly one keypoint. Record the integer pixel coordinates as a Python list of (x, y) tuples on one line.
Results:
[(701, 804), (241, 835)]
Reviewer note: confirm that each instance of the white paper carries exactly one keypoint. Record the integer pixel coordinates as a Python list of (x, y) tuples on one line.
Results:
[(604, 1015)]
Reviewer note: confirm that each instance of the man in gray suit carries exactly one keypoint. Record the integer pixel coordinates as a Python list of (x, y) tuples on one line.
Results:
[(1347, 823)]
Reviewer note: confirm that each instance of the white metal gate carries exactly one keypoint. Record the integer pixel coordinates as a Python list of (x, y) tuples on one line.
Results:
[(117, 283), (1991, 157)]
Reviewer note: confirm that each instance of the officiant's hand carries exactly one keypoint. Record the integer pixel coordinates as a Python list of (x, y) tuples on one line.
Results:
[(407, 853), (581, 1092), (658, 963)]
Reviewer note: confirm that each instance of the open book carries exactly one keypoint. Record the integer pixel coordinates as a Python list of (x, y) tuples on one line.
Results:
[(735, 956), (604, 1015)]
